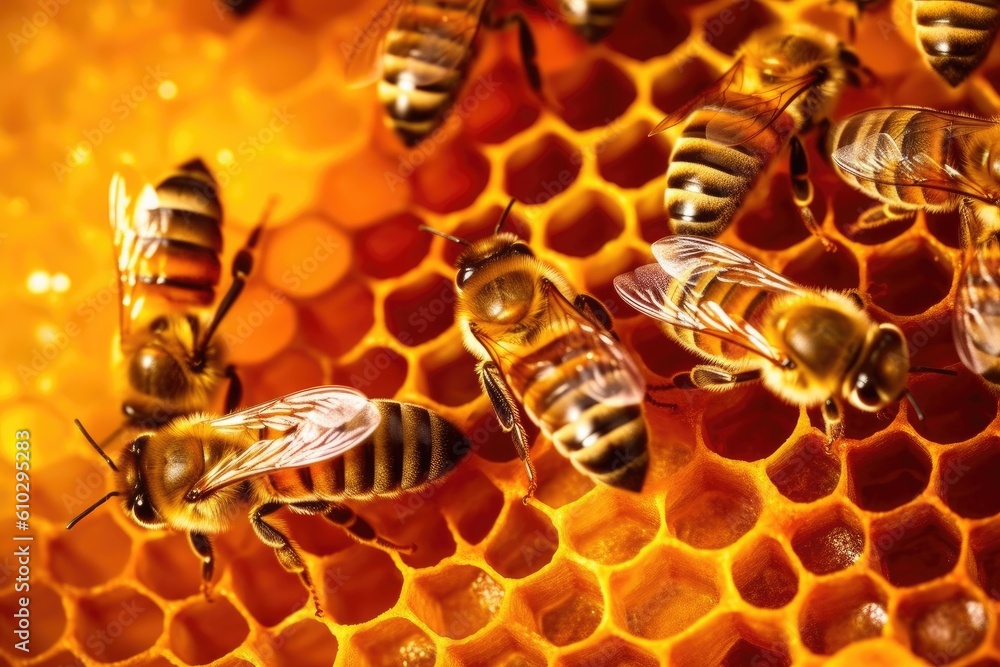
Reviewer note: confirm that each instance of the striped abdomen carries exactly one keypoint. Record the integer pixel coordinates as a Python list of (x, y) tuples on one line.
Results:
[(977, 310), (956, 36), (604, 440), (855, 140), (416, 89), (184, 238), (592, 18), (708, 179), (411, 447)]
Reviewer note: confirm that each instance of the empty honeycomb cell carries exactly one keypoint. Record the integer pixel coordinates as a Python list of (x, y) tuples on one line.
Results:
[(733, 640), (472, 503), (565, 603), (379, 372), (764, 575), (908, 279), (365, 171), (956, 408), (815, 266), (946, 227), (672, 89), (663, 592), (651, 216), (842, 611), (805, 470), (984, 543), (118, 623), (421, 310), (943, 625), (393, 642), (315, 535), (358, 584), (168, 566), (859, 424), (203, 631), (629, 158), (730, 26), (914, 544), (774, 223), (269, 591), (451, 376), (593, 537), (648, 29), (506, 104), (261, 324), (660, 354), (73, 559), (887, 473), (491, 443), (717, 507), (830, 539), (581, 226), (306, 257), (542, 169), (392, 247), (499, 646), (592, 94), (336, 321), (849, 205), (46, 616), (323, 120), (724, 419), (276, 55), (457, 601), (451, 176), (559, 483), (289, 371), (524, 543), (608, 651), (307, 643)]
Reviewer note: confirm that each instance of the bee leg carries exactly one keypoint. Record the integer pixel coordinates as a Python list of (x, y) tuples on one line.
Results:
[(595, 311), (508, 416), (356, 526), (802, 192), (283, 548), (711, 377), (879, 215), (834, 422), (656, 403), (203, 549), (234, 394), (527, 43)]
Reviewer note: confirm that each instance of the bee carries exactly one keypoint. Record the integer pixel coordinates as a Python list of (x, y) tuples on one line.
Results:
[(167, 242), (786, 80), (593, 19), (419, 53), (956, 35), (308, 451), (545, 347), (810, 347), (914, 159)]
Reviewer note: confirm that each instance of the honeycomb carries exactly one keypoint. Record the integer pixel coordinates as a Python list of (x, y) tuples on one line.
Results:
[(753, 543)]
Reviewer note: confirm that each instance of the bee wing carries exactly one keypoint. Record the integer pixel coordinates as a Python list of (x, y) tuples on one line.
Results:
[(886, 160), (440, 44), (976, 320), (318, 424), (683, 261), (716, 94)]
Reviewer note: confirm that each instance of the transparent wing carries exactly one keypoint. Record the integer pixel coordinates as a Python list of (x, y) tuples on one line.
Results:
[(716, 94), (318, 424), (977, 308), (364, 55)]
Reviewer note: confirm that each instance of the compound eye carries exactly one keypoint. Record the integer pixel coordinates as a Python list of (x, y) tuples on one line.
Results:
[(521, 249), (139, 443), (159, 325), (866, 391), (465, 275), (143, 510)]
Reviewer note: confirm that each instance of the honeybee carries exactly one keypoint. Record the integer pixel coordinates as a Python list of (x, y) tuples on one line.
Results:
[(420, 52), (593, 19), (914, 159), (167, 242), (307, 451), (544, 346), (956, 35), (810, 347), (786, 80)]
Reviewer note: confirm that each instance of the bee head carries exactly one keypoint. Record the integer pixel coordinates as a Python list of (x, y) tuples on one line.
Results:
[(488, 251), (879, 377), (133, 487)]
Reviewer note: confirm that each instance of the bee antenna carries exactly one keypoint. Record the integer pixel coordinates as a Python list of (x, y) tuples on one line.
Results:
[(503, 216), (931, 369), (454, 239), (96, 446), (913, 402), (84, 513)]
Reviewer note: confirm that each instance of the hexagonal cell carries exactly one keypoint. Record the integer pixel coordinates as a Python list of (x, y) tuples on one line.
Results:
[(472, 503), (449, 376), (565, 603), (888, 473), (728, 28), (592, 94), (392, 247), (414, 518), (663, 592), (421, 310), (651, 216), (338, 320), (559, 483), (542, 169), (581, 226), (358, 584), (984, 544), (499, 646), (307, 643), (286, 372), (379, 372), (713, 508), (772, 222), (763, 574), (829, 539), (305, 257), (946, 228), (117, 624), (914, 544), (672, 88), (46, 616), (659, 354), (908, 279), (849, 205), (840, 612), (510, 108), (457, 601), (630, 159), (943, 624), (74, 560), (524, 544), (859, 424), (967, 479), (611, 542), (733, 640), (315, 535), (815, 266), (607, 651), (256, 570), (448, 177), (805, 470), (391, 643), (168, 566), (956, 408), (725, 420), (648, 29)]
